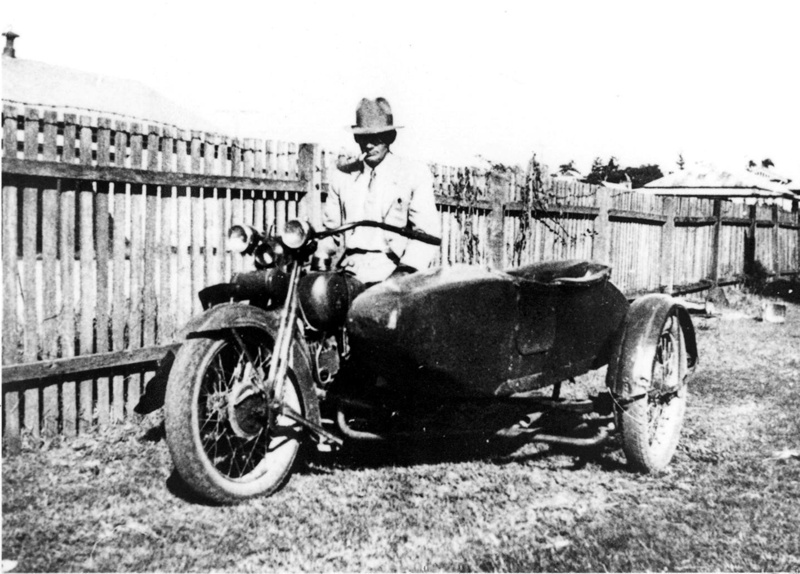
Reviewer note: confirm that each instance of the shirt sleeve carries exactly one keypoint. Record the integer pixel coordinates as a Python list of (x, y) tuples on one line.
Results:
[(422, 216)]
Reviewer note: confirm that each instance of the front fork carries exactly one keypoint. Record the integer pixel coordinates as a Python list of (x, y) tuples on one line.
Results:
[(273, 385)]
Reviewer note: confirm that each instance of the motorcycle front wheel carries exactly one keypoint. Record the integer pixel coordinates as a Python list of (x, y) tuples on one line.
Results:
[(226, 443)]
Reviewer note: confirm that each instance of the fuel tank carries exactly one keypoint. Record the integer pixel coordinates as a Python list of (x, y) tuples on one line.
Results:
[(470, 331)]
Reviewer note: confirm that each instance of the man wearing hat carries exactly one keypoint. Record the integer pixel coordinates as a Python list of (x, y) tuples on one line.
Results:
[(380, 186)]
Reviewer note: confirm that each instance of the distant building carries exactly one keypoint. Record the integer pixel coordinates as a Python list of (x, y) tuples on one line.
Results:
[(27, 83), (704, 180)]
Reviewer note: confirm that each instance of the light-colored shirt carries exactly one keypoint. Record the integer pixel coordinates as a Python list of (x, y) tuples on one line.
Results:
[(398, 192)]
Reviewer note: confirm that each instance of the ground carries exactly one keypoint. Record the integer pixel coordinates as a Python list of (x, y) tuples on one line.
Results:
[(728, 501)]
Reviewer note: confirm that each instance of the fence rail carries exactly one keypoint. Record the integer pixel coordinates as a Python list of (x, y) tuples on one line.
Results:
[(108, 233)]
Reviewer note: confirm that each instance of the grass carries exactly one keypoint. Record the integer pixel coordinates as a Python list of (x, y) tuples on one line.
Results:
[(728, 502)]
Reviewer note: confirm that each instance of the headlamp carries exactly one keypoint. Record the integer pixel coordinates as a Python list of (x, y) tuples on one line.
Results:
[(296, 234), (241, 238)]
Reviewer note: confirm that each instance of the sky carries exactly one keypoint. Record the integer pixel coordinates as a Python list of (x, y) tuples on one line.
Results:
[(713, 82)]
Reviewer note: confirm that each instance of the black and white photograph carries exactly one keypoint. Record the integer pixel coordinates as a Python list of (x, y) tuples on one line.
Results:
[(400, 287)]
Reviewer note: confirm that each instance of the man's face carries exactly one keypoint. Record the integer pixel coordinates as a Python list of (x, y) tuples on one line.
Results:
[(374, 146)]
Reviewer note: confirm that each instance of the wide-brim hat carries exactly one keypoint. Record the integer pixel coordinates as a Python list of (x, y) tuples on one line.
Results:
[(374, 117)]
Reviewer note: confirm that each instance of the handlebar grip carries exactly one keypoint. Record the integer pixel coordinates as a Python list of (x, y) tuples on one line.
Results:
[(425, 237)]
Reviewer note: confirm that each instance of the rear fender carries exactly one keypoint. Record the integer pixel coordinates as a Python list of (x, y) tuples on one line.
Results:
[(226, 316), (631, 364)]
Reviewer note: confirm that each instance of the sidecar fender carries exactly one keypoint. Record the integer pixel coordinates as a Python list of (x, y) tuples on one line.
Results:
[(631, 363), (243, 316)]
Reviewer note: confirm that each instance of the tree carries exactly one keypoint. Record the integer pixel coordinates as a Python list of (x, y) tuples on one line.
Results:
[(566, 168), (680, 162), (767, 163), (612, 172), (609, 172), (643, 174)]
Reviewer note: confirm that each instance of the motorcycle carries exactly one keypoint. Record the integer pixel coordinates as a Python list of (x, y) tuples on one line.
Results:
[(294, 352)]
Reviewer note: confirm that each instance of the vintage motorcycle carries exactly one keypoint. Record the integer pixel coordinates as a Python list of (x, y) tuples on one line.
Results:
[(294, 352)]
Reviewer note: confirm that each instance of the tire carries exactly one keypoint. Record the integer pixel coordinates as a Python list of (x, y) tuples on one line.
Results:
[(228, 453), (651, 424)]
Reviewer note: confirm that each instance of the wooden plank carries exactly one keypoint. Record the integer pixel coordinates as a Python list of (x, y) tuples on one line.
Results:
[(144, 177), (715, 239), (11, 402), (137, 254), (197, 238), (776, 241), (136, 282), (151, 258), (103, 249), (31, 144), (166, 298), (291, 161), (30, 282), (635, 216), (496, 191), (260, 159), (119, 300), (601, 246), (69, 412), (86, 365), (248, 157), (209, 200), (50, 408), (88, 286), (271, 160), (67, 153), (236, 158), (9, 133), (198, 228), (184, 277), (311, 204)]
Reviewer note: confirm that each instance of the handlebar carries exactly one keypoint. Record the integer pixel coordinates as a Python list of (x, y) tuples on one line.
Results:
[(404, 231)]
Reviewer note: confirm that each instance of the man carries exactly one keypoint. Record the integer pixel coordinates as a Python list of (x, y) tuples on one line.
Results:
[(380, 186)]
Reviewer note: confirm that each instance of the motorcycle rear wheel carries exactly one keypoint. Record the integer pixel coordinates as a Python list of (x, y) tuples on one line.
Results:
[(651, 424), (228, 446)]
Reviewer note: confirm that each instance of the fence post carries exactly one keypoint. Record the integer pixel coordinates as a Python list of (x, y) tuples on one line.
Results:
[(311, 205), (715, 237), (495, 189), (750, 241), (776, 231), (667, 276), (601, 246)]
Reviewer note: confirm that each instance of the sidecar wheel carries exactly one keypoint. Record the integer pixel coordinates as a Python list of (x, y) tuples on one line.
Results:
[(225, 447), (651, 424)]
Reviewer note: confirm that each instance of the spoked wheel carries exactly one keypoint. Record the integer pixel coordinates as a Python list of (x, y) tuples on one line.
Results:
[(651, 423), (226, 442)]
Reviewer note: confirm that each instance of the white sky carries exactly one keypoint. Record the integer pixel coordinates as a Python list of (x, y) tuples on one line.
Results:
[(644, 81)]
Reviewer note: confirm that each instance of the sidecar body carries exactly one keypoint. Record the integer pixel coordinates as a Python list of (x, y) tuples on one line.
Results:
[(473, 332)]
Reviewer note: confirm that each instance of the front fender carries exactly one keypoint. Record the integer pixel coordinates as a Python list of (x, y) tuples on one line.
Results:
[(631, 364), (228, 316)]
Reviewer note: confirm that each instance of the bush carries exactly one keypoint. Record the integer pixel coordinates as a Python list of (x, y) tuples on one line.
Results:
[(755, 277)]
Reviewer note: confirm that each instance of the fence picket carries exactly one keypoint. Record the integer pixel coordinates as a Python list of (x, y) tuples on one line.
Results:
[(69, 417), (30, 226), (11, 402)]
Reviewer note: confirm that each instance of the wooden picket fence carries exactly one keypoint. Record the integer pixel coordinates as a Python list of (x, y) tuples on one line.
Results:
[(110, 228)]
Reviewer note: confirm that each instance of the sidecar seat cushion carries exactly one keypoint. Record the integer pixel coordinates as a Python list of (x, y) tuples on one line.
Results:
[(569, 272)]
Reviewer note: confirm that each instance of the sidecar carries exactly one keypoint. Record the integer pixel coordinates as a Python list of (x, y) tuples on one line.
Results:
[(472, 332)]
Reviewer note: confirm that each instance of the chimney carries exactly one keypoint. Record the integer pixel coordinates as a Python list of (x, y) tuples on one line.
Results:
[(9, 49)]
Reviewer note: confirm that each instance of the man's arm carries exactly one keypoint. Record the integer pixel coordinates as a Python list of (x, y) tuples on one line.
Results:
[(422, 216)]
